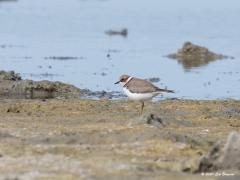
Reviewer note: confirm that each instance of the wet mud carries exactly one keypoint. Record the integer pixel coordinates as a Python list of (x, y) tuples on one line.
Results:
[(102, 139)]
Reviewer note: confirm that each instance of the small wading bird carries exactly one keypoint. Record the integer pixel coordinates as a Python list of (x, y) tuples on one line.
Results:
[(139, 89)]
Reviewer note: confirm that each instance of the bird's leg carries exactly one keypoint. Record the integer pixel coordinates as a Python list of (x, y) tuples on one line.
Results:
[(142, 106)]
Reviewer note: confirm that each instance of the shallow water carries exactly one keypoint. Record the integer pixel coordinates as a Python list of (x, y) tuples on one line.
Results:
[(32, 32)]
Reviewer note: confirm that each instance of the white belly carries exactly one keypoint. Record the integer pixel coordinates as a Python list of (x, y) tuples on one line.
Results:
[(139, 96)]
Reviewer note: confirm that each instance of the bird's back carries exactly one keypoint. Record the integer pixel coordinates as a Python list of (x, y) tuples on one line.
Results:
[(137, 85)]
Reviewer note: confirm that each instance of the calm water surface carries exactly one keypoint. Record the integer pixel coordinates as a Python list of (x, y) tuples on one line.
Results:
[(32, 32)]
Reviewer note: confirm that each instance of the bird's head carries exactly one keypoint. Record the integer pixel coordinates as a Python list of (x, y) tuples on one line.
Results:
[(123, 79)]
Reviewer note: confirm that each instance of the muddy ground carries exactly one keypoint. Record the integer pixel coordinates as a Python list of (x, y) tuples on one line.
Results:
[(103, 139)]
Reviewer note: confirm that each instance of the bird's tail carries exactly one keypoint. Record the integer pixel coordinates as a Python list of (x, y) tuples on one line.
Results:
[(165, 90)]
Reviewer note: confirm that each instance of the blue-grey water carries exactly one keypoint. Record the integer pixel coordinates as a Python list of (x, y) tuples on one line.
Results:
[(34, 31)]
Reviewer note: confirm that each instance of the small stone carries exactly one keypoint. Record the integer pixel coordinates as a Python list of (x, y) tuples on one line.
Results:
[(153, 120)]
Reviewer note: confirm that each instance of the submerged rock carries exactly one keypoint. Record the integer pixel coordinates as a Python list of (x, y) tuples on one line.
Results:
[(192, 55), (12, 86), (222, 157)]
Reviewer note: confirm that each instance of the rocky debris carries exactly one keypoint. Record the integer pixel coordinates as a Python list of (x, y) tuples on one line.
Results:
[(123, 32), (192, 55), (10, 75), (222, 157), (164, 120), (12, 86), (161, 119), (152, 119)]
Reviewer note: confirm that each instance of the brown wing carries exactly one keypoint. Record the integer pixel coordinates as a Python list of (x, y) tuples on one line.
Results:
[(140, 86)]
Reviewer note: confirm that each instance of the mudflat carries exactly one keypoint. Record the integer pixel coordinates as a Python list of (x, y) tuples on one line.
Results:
[(104, 139)]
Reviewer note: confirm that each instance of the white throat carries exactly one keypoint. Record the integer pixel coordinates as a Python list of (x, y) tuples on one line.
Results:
[(123, 83)]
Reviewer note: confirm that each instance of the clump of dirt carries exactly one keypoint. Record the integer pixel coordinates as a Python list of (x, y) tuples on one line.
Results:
[(192, 55)]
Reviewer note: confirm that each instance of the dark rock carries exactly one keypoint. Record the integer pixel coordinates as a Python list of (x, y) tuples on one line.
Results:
[(222, 157), (123, 32), (152, 119), (191, 55)]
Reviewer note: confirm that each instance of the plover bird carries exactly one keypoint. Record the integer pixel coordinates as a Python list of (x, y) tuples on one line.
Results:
[(139, 89)]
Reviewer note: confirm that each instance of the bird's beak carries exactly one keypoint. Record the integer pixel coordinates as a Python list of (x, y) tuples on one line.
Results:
[(117, 82)]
